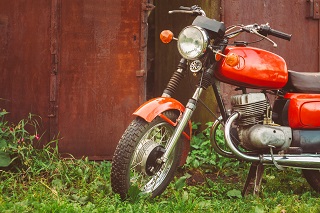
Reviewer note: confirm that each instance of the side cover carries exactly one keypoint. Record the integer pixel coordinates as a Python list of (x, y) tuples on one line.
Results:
[(304, 111)]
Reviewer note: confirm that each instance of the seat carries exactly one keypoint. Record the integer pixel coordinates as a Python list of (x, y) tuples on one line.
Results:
[(305, 82)]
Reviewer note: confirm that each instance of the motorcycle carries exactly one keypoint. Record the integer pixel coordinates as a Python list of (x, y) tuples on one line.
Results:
[(285, 134)]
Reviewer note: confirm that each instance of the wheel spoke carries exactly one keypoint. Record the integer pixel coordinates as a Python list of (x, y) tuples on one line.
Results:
[(158, 134), (164, 135), (163, 140), (137, 164), (153, 132)]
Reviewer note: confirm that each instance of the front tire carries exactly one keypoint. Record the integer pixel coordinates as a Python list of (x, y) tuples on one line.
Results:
[(135, 159), (313, 178)]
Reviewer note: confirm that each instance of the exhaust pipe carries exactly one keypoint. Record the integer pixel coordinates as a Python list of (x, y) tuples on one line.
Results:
[(301, 161)]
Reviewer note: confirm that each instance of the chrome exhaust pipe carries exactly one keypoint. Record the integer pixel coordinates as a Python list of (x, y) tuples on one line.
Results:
[(302, 161)]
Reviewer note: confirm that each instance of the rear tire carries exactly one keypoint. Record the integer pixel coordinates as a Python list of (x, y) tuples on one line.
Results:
[(313, 178), (134, 161)]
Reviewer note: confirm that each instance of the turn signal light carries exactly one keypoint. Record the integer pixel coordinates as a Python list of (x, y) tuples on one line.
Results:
[(166, 36), (218, 55), (232, 60)]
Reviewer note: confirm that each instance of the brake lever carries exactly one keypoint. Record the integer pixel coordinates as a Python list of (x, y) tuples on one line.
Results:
[(194, 10), (254, 30)]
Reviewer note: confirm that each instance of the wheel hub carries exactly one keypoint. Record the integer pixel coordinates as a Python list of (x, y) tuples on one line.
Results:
[(149, 155), (152, 164)]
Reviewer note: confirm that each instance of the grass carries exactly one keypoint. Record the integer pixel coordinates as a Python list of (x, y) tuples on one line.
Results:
[(83, 186), (43, 182)]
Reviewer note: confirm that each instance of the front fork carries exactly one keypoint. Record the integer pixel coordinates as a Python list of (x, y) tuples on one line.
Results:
[(191, 106), (204, 83)]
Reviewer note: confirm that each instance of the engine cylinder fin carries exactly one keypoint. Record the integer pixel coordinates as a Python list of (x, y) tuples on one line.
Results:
[(252, 113)]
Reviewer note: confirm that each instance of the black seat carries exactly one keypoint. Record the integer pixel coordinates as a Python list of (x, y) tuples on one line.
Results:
[(305, 82)]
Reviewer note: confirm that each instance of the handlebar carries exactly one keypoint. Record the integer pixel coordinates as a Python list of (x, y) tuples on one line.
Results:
[(266, 29), (260, 30), (263, 30)]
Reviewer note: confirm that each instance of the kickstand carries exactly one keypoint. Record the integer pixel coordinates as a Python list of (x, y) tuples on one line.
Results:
[(256, 172)]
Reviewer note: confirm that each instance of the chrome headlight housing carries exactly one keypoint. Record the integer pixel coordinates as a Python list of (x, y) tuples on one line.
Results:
[(192, 42)]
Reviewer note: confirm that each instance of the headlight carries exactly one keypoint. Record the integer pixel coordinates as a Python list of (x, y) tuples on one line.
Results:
[(192, 42)]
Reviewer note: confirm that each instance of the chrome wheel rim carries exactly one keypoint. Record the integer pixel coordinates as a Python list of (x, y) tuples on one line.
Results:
[(159, 134)]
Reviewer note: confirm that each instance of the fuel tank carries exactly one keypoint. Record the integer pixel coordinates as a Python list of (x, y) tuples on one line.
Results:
[(257, 68)]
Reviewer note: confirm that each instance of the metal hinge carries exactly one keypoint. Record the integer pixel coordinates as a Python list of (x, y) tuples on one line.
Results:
[(314, 9), (140, 73)]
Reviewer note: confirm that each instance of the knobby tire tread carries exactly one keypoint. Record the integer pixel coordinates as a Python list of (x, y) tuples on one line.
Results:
[(122, 156)]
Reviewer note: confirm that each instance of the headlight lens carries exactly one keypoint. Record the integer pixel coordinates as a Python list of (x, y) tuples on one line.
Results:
[(192, 42)]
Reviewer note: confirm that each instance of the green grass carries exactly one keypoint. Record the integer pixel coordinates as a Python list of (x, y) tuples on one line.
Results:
[(40, 181), (84, 186)]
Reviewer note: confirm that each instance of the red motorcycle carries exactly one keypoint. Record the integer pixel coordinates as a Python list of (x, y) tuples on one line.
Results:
[(286, 134)]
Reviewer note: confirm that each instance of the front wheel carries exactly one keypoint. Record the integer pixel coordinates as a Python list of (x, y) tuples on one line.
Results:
[(313, 178), (136, 158)]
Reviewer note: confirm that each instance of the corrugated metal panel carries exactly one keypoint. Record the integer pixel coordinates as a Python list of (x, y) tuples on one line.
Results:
[(79, 64)]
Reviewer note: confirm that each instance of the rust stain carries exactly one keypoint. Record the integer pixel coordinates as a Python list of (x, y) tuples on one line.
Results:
[(99, 58)]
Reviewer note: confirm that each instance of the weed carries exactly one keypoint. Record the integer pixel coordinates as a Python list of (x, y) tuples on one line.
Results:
[(47, 183), (16, 143), (202, 155)]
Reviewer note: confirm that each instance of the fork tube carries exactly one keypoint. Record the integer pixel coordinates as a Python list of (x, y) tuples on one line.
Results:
[(191, 106)]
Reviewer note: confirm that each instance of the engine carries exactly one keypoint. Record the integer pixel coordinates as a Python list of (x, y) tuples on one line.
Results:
[(255, 130)]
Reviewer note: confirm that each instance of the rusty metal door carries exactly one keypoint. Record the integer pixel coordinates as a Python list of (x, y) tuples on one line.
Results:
[(100, 78), (25, 58), (78, 64)]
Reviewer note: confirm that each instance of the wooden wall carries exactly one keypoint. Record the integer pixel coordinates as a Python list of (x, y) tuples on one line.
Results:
[(166, 56)]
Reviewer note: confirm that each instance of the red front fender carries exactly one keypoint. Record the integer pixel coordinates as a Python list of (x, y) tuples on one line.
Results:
[(155, 107)]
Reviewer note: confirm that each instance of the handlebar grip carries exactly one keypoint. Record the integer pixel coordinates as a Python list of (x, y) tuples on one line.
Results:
[(280, 34)]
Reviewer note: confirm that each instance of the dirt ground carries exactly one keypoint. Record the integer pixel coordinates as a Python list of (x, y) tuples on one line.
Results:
[(199, 177)]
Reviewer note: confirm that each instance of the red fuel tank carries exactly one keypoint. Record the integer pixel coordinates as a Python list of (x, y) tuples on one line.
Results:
[(257, 68)]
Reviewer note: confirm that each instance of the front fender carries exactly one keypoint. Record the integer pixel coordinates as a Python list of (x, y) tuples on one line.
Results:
[(155, 107)]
